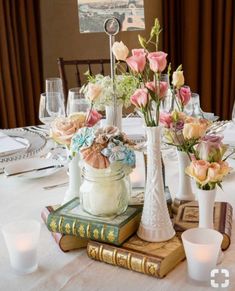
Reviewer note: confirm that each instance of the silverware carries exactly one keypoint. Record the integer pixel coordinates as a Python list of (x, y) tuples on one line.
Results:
[(34, 170), (55, 186)]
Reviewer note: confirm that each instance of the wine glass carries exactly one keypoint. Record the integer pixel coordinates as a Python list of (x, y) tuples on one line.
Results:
[(76, 102), (193, 107), (55, 85), (50, 107)]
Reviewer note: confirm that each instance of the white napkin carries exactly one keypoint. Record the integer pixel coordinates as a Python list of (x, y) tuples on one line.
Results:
[(229, 135), (9, 145)]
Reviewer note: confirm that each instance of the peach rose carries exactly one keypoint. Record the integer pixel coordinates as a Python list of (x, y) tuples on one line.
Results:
[(62, 130), (157, 61), (194, 130), (120, 51), (178, 79), (213, 172), (198, 171)]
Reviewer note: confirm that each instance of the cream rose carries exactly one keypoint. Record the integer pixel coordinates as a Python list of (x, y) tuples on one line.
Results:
[(62, 130), (120, 51), (93, 92), (194, 130), (178, 79)]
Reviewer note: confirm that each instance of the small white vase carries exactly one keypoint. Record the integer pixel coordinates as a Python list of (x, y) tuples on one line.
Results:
[(74, 180), (155, 225), (206, 201), (110, 116), (185, 189)]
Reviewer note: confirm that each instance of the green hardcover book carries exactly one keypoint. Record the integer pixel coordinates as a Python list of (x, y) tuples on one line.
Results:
[(71, 219)]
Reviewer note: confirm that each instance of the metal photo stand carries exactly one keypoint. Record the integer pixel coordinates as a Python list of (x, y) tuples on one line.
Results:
[(112, 27)]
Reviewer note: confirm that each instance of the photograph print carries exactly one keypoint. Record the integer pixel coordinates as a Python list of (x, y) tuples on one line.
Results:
[(93, 13)]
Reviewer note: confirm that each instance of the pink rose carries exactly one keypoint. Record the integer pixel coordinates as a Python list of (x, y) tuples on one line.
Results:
[(93, 117), (138, 52), (136, 63), (184, 95), (157, 61), (140, 98), (166, 119), (163, 88)]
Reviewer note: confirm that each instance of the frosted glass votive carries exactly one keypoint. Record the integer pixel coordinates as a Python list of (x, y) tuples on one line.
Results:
[(21, 238), (202, 246)]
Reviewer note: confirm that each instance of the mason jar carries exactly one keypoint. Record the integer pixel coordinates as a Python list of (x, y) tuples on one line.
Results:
[(104, 192)]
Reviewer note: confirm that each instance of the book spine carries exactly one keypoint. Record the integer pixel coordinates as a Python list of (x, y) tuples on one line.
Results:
[(44, 215), (122, 258), (93, 230), (225, 226)]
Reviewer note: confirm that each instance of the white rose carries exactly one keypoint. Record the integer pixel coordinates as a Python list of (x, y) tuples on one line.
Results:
[(120, 51), (178, 79)]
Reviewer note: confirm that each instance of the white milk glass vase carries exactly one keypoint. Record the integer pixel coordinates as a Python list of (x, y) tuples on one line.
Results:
[(74, 179), (110, 115), (155, 225), (185, 189), (206, 201)]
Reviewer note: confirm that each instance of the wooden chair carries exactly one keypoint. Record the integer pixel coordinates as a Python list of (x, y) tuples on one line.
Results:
[(94, 66)]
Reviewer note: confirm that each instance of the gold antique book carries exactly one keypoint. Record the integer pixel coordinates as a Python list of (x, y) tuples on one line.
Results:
[(70, 219), (154, 259), (65, 242), (188, 217)]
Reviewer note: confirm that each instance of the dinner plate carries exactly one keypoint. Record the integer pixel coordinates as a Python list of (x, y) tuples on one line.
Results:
[(33, 163), (33, 141)]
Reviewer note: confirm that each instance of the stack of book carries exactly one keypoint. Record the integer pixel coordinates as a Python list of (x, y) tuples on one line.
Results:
[(114, 241)]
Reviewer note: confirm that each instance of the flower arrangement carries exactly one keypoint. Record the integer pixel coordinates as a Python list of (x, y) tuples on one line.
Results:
[(148, 67), (183, 131), (103, 148), (125, 85), (208, 167), (63, 128)]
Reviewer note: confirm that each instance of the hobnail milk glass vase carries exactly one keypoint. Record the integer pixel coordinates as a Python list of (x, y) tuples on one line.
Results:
[(74, 180), (155, 225), (206, 201), (109, 110)]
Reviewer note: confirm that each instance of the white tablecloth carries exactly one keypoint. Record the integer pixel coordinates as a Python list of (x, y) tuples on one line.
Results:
[(74, 270)]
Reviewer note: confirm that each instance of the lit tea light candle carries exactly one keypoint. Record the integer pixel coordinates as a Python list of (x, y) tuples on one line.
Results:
[(21, 239), (202, 248)]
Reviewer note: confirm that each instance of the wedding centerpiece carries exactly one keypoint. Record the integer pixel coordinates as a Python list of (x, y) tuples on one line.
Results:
[(62, 130), (148, 67), (107, 158), (208, 168), (124, 85), (183, 132)]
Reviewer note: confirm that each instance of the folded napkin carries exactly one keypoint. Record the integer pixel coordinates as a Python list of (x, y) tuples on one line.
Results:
[(9, 145), (229, 134)]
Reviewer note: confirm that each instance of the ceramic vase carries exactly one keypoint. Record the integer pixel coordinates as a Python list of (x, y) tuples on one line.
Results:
[(110, 116), (74, 180), (206, 201), (155, 225)]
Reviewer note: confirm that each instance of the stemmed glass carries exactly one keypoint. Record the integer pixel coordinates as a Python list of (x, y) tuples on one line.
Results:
[(55, 85), (76, 102), (50, 107), (193, 107)]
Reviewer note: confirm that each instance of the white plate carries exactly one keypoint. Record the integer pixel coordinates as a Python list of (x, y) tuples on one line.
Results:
[(34, 163)]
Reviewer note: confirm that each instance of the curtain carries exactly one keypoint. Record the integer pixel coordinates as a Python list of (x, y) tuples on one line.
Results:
[(20, 62), (200, 35)]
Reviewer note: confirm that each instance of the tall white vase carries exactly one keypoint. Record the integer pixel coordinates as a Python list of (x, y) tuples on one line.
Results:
[(155, 225), (110, 118), (206, 201), (74, 180), (185, 189)]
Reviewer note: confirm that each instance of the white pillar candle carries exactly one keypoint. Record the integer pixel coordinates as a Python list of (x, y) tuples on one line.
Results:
[(202, 248), (21, 238)]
